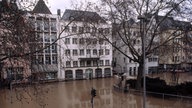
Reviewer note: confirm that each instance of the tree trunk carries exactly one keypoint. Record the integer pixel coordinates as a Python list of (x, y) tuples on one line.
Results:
[(139, 76), (1, 67)]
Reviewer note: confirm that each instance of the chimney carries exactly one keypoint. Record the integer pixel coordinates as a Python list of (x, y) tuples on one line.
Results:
[(59, 12)]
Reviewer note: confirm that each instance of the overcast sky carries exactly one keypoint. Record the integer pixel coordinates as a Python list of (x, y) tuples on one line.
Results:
[(63, 4)]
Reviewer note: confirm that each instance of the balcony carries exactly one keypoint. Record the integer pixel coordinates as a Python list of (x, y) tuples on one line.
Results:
[(88, 58)]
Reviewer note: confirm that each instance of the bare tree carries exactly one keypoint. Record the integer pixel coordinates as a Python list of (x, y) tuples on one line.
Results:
[(146, 21), (17, 41)]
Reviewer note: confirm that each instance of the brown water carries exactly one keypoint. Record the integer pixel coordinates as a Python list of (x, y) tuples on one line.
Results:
[(76, 94)]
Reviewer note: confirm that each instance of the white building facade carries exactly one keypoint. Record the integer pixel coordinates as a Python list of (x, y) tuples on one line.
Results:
[(84, 51), (124, 65)]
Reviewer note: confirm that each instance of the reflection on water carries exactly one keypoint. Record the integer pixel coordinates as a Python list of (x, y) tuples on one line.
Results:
[(77, 94)]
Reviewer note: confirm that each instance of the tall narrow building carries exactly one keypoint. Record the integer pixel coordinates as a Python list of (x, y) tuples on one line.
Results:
[(45, 61)]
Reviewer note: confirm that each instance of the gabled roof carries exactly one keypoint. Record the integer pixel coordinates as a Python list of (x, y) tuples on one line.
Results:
[(170, 23), (41, 7), (78, 15)]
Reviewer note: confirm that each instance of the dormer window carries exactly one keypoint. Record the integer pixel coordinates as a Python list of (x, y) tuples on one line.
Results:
[(81, 29), (74, 29), (66, 28)]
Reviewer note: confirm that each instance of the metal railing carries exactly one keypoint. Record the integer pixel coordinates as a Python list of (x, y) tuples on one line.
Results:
[(162, 95)]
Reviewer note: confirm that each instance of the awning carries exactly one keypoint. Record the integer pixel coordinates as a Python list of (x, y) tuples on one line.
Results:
[(44, 68)]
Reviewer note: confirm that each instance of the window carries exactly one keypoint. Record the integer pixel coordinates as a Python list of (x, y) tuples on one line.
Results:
[(176, 40), (130, 71), (81, 41), (9, 51), (54, 59), (67, 52), (82, 63), (46, 24), (32, 21), (134, 71), (81, 29), (47, 60), (87, 29), (67, 40), (101, 62), (53, 25), (47, 39), (40, 37), (74, 29), (66, 28), (107, 51), (88, 41), (74, 40), (15, 73), (47, 49), (88, 51), (100, 51), (68, 64), (94, 41), (53, 38), (101, 41), (138, 41), (39, 25), (81, 51), (54, 48), (40, 60), (107, 62), (152, 59), (75, 63), (176, 49), (95, 52), (88, 63), (75, 52), (95, 63), (176, 58)]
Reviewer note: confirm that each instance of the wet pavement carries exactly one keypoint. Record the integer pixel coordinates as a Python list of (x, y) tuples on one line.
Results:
[(77, 94)]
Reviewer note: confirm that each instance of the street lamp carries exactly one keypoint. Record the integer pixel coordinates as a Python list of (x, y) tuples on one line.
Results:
[(142, 30), (93, 94)]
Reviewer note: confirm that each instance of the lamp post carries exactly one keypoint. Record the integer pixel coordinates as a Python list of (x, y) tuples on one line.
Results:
[(142, 30), (93, 94)]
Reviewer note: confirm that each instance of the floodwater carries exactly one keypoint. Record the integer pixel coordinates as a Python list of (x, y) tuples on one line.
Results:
[(77, 94)]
